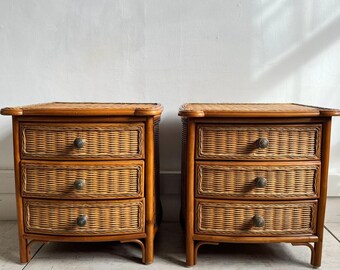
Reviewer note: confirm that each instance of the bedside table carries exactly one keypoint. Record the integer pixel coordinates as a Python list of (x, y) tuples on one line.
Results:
[(254, 173), (87, 172)]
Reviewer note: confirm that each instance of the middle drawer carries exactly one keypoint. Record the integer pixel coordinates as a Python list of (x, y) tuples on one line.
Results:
[(82, 180), (279, 180)]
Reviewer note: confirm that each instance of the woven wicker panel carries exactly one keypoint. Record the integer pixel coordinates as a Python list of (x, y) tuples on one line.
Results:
[(101, 141), (240, 142), (213, 180), (91, 105), (244, 107), (114, 180), (103, 217), (237, 218)]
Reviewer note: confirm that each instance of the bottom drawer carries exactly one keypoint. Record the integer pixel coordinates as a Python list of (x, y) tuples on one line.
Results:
[(84, 217), (255, 218)]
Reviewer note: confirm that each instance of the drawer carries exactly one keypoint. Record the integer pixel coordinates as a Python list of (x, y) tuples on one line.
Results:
[(245, 180), (82, 141), (255, 218), (82, 180), (84, 217), (244, 142)]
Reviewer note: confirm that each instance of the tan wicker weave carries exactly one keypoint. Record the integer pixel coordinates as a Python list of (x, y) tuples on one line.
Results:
[(240, 142), (281, 218), (104, 218), (217, 180), (247, 107), (101, 141), (59, 106), (109, 180)]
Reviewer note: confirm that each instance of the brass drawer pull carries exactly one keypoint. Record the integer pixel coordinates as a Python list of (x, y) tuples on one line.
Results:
[(260, 182), (258, 221), (262, 143), (79, 184), (79, 143), (81, 220)]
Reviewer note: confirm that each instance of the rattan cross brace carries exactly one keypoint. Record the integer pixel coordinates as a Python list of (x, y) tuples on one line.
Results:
[(140, 243), (311, 247), (199, 244), (28, 247)]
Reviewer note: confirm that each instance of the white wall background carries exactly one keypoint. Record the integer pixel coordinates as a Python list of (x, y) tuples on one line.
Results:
[(167, 51)]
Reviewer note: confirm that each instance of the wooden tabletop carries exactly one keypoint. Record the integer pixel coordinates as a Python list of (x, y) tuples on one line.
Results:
[(85, 109), (253, 110)]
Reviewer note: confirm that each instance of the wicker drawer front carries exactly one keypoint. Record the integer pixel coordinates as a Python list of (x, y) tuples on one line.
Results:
[(242, 180), (232, 142), (238, 218), (103, 217), (82, 180), (100, 141)]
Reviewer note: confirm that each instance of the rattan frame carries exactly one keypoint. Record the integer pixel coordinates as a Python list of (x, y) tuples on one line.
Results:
[(239, 169), (121, 142)]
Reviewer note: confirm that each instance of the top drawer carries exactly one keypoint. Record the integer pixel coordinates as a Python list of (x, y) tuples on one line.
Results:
[(244, 142), (82, 141)]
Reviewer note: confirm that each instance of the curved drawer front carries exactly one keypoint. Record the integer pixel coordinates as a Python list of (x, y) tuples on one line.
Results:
[(84, 217), (284, 142), (227, 179), (82, 180), (95, 141), (239, 218)]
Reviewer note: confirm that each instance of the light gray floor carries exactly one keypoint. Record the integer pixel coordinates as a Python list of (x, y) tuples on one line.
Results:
[(170, 252)]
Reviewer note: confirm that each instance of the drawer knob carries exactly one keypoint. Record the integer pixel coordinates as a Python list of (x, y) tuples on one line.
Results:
[(262, 143), (81, 220), (260, 182), (79, 184), (258, 221), (79, 143)]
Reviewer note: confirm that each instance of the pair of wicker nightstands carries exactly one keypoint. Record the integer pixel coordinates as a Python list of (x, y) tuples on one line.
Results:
[(251, 173)]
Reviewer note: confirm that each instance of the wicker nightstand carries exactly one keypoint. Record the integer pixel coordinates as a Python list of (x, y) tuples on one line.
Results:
[(254, 173), (86, 172)]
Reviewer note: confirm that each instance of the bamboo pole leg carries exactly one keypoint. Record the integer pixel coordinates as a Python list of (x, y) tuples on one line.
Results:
[(316, 259), (326, 138), (24, 256), (150, 191), (149, 249), (190, 252), (190, 244), (24, 250)]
